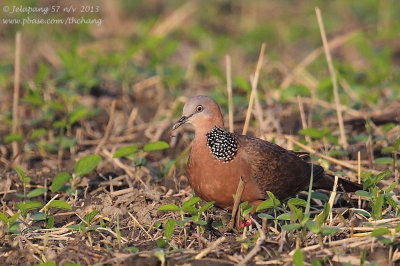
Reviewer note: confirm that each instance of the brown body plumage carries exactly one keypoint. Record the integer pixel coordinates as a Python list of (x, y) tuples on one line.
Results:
[(218, 159)]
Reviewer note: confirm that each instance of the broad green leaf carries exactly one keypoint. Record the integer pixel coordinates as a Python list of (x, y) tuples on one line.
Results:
[(383, 160), (297, 202), (59, 204), (291, 227), (380, 232), (39, 216), (363, 193), (206, 206), (362, 212), (12, 137), (26, 206), (298, 258), (313, 227), (329, 230), (36, 192), (125, 151), (169, 208), (382, 175), (268, 203), (284, 216), (320, 196), (169, 228), (59, 181), (190, 202), (265, 216), (314, 133), (155, 146), (86, 164)]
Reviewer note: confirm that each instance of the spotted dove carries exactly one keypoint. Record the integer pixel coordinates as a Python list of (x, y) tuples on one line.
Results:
[(219, 158)]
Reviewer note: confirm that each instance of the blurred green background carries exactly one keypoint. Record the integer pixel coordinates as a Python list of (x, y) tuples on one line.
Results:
[(180, 47)]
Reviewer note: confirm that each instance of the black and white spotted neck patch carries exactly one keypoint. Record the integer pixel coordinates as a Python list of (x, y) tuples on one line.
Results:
[(222, 144)]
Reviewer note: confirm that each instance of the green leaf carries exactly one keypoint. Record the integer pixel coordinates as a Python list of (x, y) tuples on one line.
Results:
[(313, 226), (132, 249), (291, 227), (398, 228), (319, 195), (26, 206), (329, 230), (12, 137), (201, 222), (268, 203), (246, 208), (13, 218), (391, 187), (206, 206), (377, 205), (362, 212), (297, 202), (169, 228), (86, 164), (59, 204), (314, 133), (155, 146), (321, 218), (59, 181), (298, 258), (77, 114), (89, 217), (380, 232), (382, 175), (37, 133), (39, 216), (363, 193), (190, 202), (3, 218), (169, 208), (265, 216), (161, 243), (284, 216), (315, 262), (36, 192), (125, 151), (383, 160), (50, 222), (24, 179)]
